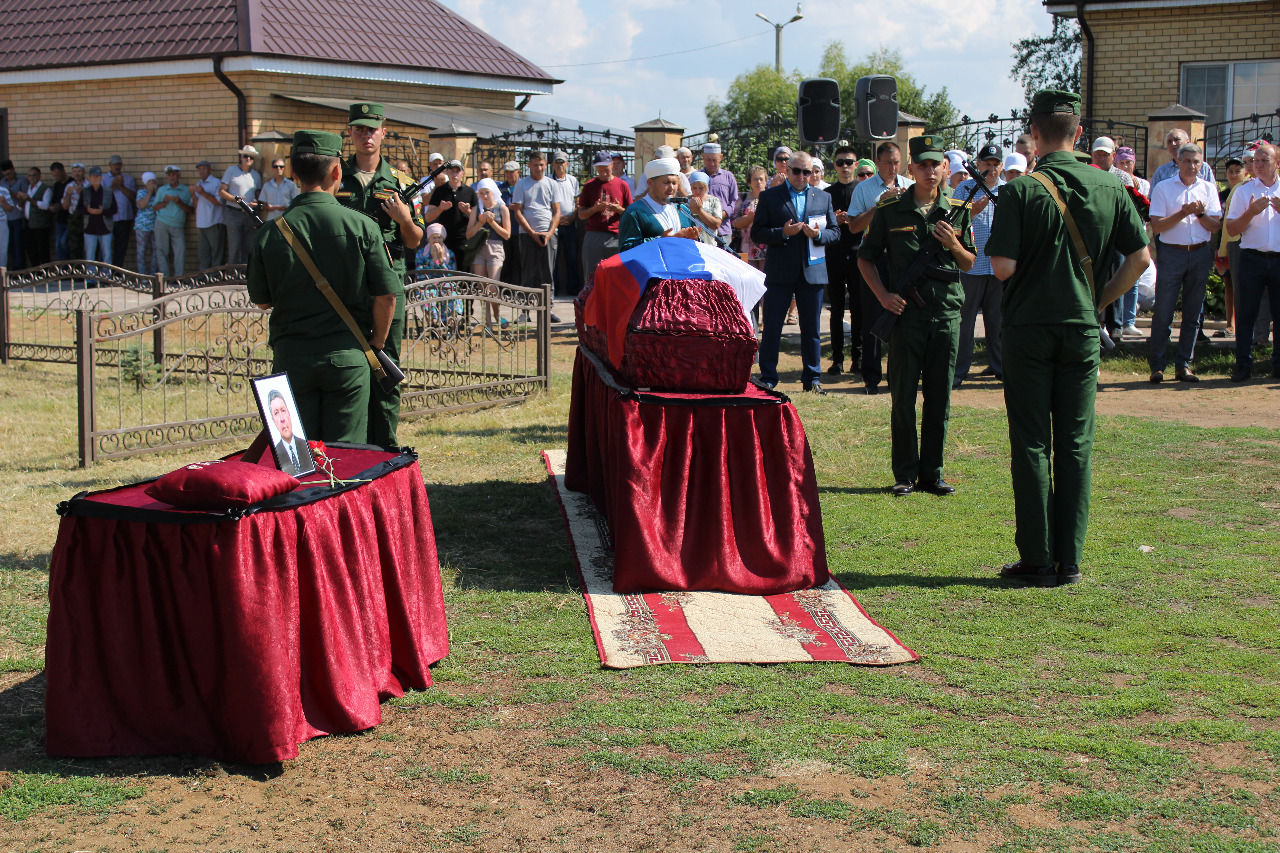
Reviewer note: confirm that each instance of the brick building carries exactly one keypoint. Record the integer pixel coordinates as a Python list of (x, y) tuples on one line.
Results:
[(1143, 57), (162, 83)]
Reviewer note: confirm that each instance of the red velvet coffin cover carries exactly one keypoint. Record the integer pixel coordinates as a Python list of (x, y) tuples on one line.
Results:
[(700, 492), (684, 335), (239, 635)]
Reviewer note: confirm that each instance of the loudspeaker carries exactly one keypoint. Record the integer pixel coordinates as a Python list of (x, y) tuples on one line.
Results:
[(876, 97), (818, 111)]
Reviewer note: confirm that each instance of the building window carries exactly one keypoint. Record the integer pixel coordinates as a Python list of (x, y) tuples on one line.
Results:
[(1224, 91)]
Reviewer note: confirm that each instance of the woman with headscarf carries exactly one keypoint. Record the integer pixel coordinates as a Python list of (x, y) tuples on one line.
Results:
[(490, 215)]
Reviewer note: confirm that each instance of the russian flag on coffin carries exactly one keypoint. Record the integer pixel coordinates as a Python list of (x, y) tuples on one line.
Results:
[(620, 282)]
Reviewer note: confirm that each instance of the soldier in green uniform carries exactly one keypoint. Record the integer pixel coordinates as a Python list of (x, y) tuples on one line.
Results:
[(924, 342), (1050, 333), (328, 371), (369, 185)]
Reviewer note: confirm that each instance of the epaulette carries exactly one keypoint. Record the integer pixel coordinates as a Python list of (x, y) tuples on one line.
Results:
[(888, 201), (404, 179), (959, 202)]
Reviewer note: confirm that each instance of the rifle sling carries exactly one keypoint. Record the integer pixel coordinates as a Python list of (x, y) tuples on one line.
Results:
[(1076, 239), (324, 287)]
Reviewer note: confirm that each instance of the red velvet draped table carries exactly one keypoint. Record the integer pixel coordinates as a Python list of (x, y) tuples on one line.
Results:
[(239, 635), (701, 492)]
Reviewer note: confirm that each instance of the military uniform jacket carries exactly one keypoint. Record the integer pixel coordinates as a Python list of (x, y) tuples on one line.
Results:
[(368, 200), (899, 228), (346, 247), (1049, 285)]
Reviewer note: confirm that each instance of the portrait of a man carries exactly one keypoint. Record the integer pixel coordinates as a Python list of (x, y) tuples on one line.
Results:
[(288, 439)]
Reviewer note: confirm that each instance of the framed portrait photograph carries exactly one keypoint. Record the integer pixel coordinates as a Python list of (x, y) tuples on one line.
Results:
[(280, 414)]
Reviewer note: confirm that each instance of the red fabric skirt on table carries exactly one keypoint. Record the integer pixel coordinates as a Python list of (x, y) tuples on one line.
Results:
[(239, 637), (701, 492)]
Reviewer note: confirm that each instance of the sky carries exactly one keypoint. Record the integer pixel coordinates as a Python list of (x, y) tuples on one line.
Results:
[(964, 46)]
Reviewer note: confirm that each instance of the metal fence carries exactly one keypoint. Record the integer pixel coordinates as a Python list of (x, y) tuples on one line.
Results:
[(745, 146), (1226, 139), (969, 135), (175, 371), (581, 145)]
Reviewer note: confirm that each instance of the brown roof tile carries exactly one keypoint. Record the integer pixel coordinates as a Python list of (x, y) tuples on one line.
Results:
[(412, 33)]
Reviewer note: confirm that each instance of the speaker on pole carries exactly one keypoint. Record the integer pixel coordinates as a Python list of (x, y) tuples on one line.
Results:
[(818, 111), (876, 98)]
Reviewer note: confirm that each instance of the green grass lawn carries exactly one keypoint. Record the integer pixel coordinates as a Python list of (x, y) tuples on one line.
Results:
[(1137, 711)]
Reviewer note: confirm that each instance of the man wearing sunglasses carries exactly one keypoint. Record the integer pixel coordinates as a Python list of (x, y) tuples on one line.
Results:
[(240, 182), (277, 192), (798, 224), (845, 286)]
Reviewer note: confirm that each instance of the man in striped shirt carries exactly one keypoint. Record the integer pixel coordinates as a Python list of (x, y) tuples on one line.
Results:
[(982, 290)]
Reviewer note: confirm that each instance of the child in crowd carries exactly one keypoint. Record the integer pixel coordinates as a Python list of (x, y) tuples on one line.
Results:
[(144, 224)]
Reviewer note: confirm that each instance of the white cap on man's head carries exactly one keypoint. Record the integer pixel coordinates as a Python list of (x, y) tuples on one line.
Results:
[(661, 167), (955, 159), (511, 166), (1015, 161), (435, 157), (1104, 143)]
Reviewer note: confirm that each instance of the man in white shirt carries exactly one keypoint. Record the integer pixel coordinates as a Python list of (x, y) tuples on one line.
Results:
[(277, 192), (1255, 215), (211, 233), (535, 207), (240, 182), (567, 271), (1186, 213)]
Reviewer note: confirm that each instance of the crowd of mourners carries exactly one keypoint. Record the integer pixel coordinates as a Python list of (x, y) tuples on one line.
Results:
[(537, 222)]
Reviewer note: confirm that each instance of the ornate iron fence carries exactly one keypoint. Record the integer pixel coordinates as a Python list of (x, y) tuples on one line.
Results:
[(38, 306), (175, 372), (581, 145), (971, 134), (1226, 139), (471, 341)]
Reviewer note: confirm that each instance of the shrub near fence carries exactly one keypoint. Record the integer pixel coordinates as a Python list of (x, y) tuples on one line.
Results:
[(176, 371)]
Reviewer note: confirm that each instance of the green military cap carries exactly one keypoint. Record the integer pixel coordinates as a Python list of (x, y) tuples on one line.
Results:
[(1055, 101), (317, 142), (366, 115), (926, 147)]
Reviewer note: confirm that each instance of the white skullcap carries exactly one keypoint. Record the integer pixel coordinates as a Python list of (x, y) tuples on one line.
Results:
[(955, 159), (660, 167), (711, 148), (1015, 161), (663, 152)]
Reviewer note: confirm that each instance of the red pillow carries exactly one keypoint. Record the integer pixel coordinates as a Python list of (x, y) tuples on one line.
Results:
[(220, 484)]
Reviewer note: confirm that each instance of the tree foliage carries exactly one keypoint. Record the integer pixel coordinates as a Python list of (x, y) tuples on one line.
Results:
[(1049, 62), (762, 96)]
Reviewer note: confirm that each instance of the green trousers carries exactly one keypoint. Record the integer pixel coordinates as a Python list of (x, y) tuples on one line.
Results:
[(922, 357), (331, 390), (384, 406), (1050, 382)]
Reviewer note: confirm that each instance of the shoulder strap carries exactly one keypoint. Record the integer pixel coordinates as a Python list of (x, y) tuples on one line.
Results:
[(1076, 239), (324, 287)]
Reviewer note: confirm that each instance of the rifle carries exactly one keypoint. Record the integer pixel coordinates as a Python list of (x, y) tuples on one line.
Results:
[(249, 209), (908, 284), (408, 194)]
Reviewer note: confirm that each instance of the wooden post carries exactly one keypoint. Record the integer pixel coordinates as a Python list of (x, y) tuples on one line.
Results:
[(84, 385)]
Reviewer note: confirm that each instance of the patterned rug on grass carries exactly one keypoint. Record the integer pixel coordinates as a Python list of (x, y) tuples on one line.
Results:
[(822, 624)]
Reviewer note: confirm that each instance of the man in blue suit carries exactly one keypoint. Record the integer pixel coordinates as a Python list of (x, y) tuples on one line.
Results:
[(797, 223)]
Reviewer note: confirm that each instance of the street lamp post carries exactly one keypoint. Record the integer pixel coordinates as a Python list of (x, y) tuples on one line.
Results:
[(777, 36)]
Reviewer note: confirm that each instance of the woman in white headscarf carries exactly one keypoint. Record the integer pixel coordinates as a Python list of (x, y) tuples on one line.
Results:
[(656, 215), (489, 215)]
